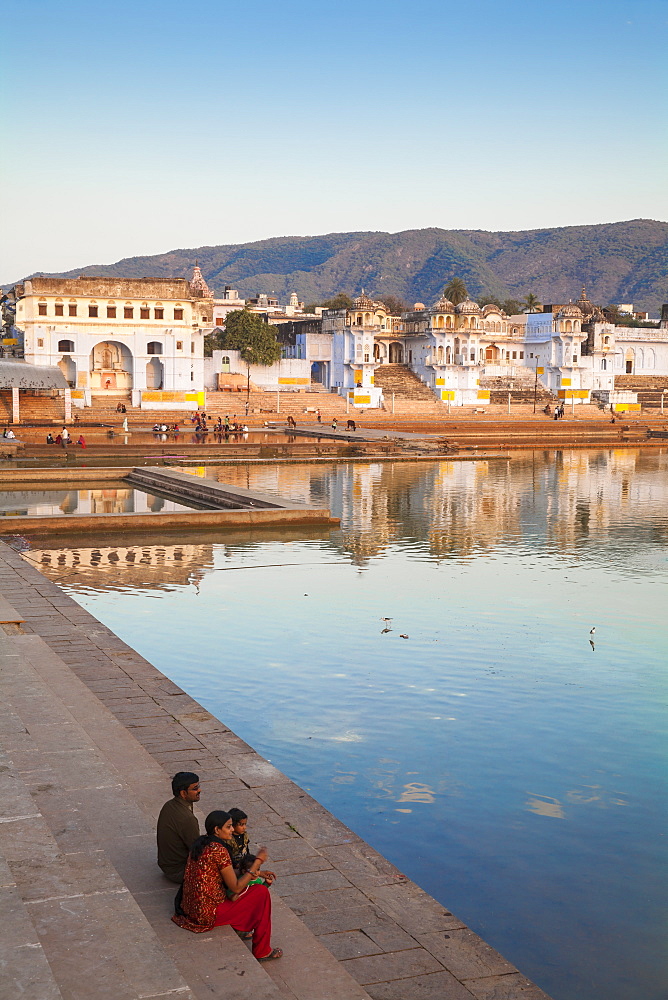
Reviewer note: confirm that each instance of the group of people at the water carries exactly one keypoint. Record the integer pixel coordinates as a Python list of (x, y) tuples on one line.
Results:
[(204, 426), (64, 438), (221, 882)]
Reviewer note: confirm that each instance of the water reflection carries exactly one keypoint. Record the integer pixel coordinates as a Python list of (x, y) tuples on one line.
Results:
[(494, 736), (105, 500)]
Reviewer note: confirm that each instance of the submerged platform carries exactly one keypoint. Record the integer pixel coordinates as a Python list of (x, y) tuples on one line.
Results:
[(205, 503), (90, 733)]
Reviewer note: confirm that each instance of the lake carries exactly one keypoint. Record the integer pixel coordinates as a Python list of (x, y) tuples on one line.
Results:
[(505, 758)]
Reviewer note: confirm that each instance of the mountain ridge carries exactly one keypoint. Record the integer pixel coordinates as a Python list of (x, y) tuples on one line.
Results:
[(618, 262)]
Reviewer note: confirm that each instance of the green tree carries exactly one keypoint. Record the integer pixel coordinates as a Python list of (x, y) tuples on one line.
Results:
[(531, 304), (456, 291), (512, 307), (255, 340)]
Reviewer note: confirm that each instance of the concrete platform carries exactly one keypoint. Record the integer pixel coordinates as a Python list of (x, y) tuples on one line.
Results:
[(90, 733)]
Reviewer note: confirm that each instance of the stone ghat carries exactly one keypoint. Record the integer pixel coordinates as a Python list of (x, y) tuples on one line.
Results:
[(90, 733)]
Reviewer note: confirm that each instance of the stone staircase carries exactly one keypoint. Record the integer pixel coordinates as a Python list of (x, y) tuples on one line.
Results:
[(523, 387), (403, 382), (34, 408), (86, 911), (648, 387)]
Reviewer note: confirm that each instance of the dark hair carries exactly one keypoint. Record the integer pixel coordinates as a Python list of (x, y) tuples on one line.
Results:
[(236, 815), (214, 819), (183, 780)]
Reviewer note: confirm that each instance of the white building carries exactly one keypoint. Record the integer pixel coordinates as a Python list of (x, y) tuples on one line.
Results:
[(132, 338)]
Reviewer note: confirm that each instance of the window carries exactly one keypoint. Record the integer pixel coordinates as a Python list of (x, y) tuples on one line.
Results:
[(59, 309), (514, 355), (179, 345), (66, 346), (128, 312), (40, 342), (575, 359), (155, 347), (111, 312), (72, 310), (178, 314), (92, 311), (144, 313), (192, 376), (159, 314), (41, 308), (192, 348), (521, 355)]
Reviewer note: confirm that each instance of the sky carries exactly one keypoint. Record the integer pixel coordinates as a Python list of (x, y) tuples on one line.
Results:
[(138, 128)]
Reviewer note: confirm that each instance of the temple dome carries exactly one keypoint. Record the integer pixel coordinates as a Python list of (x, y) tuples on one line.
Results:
[(418, 306), (467, 307), (570, 311), (443, 305)]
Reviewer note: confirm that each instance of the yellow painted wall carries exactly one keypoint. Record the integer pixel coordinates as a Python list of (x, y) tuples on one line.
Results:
[(483, 394), (294, 381), (447, 394), (173, 396)]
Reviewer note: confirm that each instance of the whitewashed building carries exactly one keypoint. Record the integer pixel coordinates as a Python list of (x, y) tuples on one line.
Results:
[(119, 337)]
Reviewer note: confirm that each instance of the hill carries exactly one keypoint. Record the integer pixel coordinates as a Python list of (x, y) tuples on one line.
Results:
[(618, 262)]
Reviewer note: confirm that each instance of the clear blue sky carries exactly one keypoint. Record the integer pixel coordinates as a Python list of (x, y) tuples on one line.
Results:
[(137, 128)]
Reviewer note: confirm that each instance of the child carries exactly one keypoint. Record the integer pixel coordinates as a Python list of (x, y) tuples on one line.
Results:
[(238, 846)]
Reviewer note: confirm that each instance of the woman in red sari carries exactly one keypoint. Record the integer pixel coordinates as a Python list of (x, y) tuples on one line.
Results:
[(209, 873)]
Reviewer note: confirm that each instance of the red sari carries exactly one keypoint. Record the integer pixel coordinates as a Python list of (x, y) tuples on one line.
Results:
[(206, 905)]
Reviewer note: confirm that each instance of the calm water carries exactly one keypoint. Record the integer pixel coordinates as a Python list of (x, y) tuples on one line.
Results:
[(107, 498), (511, 769)]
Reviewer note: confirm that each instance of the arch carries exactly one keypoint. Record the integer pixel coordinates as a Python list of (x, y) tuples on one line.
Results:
[(440, 355), (448, 322), (640, 358), (604, 364), (66, 346), (154, 347), (154, 374), (629, 361), (650, 361), (367, 319), (568, 326), (376, 352), (225, 363), (448, 355), (396, 354), (110, 367)]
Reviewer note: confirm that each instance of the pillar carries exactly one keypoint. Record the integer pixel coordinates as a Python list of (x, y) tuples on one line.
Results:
[(68, 405), (16, 416)]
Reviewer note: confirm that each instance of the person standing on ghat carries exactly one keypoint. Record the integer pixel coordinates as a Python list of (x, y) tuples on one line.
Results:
[(178, 827)]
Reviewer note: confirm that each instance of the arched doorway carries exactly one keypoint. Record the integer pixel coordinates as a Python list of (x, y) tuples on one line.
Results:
[(396, 354), (154, 374), (491, 353), (110, 368), (629, 359)]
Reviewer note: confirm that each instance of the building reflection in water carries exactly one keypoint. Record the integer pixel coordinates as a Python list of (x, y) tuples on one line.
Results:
[(441, 509)]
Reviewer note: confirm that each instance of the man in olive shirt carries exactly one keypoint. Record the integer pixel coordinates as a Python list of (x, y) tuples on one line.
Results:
[(178, 827)]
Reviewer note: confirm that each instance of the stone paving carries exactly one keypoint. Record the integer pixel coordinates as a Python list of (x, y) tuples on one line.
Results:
[(90, 733)]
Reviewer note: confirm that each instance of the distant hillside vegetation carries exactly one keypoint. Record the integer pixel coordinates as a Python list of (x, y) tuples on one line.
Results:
[(618, 262)]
